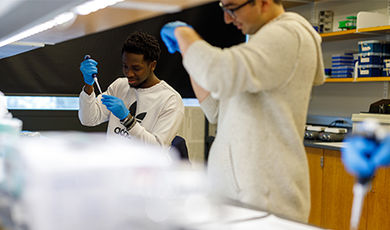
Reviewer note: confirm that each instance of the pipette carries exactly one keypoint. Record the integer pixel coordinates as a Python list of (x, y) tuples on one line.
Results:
[(371, 129), (94, 75), (360, 189)]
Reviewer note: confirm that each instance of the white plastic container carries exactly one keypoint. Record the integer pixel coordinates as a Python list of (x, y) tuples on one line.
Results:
[(10, 129), (383, 119), (84, 181)]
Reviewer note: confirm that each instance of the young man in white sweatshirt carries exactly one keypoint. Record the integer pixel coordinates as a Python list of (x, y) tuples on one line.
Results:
[(138, 105), (258, 92)]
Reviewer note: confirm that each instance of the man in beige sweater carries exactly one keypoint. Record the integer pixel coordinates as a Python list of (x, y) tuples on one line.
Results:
[(258, 92)]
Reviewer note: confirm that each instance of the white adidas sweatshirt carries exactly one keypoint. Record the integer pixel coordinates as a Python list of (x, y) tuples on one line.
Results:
[(159, 111)]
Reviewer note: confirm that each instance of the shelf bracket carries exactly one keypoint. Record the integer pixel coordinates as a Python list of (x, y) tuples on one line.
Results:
[(314, 13), (388, 10), (386, 89)]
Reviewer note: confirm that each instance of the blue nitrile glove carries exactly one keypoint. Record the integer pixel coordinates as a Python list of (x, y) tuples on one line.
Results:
[(357, 156), (116, 106), (88, 68), (381, 157), (167, 34)]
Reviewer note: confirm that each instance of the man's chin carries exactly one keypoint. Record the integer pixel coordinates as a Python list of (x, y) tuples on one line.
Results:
[(134, 85)]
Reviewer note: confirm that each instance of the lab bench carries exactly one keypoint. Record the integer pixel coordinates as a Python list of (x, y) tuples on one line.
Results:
[(331, 191), (234, 216), (323, 145)]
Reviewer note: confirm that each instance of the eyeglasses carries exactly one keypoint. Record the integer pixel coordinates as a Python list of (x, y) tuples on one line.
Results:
[(231, 11)]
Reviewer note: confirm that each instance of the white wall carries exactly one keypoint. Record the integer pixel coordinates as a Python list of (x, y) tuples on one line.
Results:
[(343, 99), (192, 130)]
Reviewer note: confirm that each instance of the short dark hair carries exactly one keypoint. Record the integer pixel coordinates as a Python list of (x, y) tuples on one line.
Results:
[(278, 2), (142, 43)]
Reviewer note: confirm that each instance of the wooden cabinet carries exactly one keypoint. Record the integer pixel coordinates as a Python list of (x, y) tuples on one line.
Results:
[(379, 201), (337, 193), (331, 194), (315, 158)]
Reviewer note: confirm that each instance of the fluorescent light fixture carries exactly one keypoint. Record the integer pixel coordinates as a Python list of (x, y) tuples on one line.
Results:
[(94, 5), (60, 19), (32, 44), (149, 6), (63, 18), (8, 5)]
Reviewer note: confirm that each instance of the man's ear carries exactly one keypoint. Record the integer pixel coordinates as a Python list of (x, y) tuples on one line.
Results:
[(265, 4), (153, 65)]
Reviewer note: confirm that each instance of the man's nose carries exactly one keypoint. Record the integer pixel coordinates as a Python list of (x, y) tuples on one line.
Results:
[(128, 73), (227, 17)]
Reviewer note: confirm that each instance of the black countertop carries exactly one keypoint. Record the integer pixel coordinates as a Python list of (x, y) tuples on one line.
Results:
[(322, 144)]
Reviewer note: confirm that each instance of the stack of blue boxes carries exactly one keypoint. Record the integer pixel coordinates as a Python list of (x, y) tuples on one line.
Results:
[(386, 59), (342, 65), (373, 55)]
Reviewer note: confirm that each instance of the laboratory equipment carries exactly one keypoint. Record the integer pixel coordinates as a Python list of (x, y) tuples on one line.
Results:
[(325, 21), (59, 181), (370, 129), (94, 75)]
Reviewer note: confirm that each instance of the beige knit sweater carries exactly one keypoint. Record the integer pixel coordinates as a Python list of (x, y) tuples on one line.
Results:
[(260, 93)]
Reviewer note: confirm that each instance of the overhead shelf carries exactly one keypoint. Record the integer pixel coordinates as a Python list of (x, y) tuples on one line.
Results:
[(294, 3), (356, 34), (291, 3), (360, 79)]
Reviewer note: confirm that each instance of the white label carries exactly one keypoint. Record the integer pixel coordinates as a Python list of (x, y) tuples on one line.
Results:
[(364, 60), (366, 48), (365, 72)]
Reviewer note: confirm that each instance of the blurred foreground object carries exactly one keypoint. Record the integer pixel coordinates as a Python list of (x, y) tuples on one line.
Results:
[(10, 129), (365, 151), (59, 181)]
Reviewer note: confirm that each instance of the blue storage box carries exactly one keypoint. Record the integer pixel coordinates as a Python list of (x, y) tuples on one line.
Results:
[(386, 63), (342, 75), (385, 56), (386, 72), (342, 60), (342, 72), (370, 59), (342, 69), (386, 47), (369, 71), (342, 64), (342, 57), (372, 46)]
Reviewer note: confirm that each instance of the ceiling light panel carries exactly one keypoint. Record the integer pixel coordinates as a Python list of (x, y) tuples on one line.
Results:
[(148, 6)]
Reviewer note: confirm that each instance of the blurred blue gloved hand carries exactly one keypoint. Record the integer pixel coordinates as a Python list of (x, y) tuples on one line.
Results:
[(381, 157), (116, 106), (167, 34), (357, 156), (362, 156), (88, 68)]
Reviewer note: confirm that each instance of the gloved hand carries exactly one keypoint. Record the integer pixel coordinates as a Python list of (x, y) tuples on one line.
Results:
[(362, 156), (116, 106), (167, 34), (357, 156), (88, 68), (381, 157)]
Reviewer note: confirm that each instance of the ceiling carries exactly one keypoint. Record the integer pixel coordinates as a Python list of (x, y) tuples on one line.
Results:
[(19, 15)]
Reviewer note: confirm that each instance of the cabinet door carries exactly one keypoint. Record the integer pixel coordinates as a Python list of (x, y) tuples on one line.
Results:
[(337, 194), (379, 201), (314, 158)]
